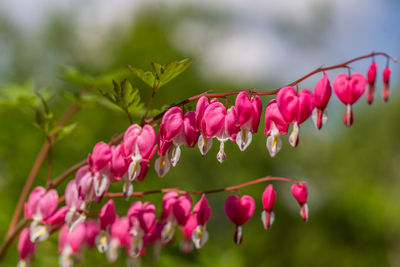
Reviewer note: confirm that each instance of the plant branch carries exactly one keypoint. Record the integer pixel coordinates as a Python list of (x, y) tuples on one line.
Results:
[(225, 189), (155, 89)]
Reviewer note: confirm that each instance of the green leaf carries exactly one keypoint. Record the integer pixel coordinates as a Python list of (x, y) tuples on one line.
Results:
[(167, 72), (129, 95), (73, 75), (64, 131), (147, 77)]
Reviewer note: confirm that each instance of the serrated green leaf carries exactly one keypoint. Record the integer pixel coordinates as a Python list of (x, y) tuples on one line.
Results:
[(167, 72), (109, 96), (147, 77)]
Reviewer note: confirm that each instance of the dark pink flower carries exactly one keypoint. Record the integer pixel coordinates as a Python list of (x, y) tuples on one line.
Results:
[(92, 229), (371, 76), (268, 200), (203, 143), (322, 94), (349, 90), (100, 157), (248, 113), (295, 108), (300, 193), (239, 211), (201, 212), (275, 125), (187, 233), (386, 79), (26, 248), (107, 215), (119, 163)]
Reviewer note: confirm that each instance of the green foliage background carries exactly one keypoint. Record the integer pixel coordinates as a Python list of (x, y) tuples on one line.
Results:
[(353, 174)]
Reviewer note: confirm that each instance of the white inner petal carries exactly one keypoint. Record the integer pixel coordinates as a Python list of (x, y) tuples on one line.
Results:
[(221, 156), (167, 232), (243, 138), (176, 154), (162, 165), (204, 144)]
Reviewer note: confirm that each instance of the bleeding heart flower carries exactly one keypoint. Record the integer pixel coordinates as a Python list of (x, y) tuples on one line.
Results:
[(92, 229), (219, 123), (248, 113), (26, 248), (275, 125), (239, 211), (139, 145), (41, 205), (300, 192), (119, 237), (386, 79), (106, 219), (100, 157), (119, 163), (176, 210), (203, 143), (69, 243), (322, 94), (187, 233), (268, 200), (349, 90), (371, 76), (202, 213), (295, 108)]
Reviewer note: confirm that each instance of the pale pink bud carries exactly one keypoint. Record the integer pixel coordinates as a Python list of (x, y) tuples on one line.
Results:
[(168, 201), (107, 214), (33, 201), (100, 157), (26, 248), (239, 211), (371, 76), (300, 193), (349, 90), (386, 79)]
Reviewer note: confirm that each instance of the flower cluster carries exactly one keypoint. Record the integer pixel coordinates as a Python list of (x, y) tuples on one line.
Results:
[(140, 227), (130, 161)]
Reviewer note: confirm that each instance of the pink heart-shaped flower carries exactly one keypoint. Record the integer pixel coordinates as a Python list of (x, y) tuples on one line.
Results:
[(239, 211), (349, 89), (288, 103)]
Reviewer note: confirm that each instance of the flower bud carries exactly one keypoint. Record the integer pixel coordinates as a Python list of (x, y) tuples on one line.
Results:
[(300, 193)]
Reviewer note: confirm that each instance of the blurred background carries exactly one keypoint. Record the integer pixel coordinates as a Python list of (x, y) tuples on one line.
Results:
[(353, 174)]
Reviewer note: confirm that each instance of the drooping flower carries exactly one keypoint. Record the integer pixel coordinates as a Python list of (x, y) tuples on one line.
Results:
[(40, 207), (76, 205), (139, 145), (275, 125), (386, 79), (142, 218), (349, 90), (176, 211), (26, 248), (239, 211), (203, 143), (70, 244), (178, 129), (371, 76), (92, 229), (300, 193), (106, 219), (201, 212), (322, 94), (219, 123), (268, 200), (295, 109), (187, 233), (119, 237), (248, 113)]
